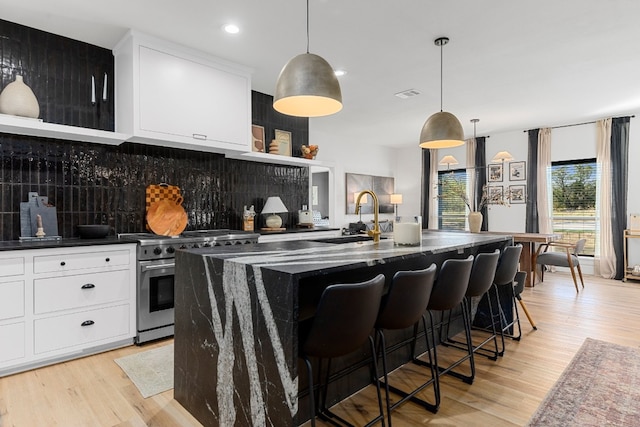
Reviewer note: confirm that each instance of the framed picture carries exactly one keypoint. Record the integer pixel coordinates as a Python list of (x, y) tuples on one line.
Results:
[(517, 193), (257, 139), (517, 171), (281, 144), (495, 172), (495, 193)]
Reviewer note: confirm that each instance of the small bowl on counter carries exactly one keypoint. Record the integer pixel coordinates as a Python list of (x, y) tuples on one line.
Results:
[(94, 231)]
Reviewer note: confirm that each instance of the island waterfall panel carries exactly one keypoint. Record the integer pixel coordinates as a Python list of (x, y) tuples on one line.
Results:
[(237, 311)]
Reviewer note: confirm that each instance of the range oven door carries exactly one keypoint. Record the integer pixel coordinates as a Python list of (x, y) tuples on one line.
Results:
[(155, 299)]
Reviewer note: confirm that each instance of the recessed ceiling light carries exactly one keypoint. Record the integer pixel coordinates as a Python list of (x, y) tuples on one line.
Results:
[(231, 29), (339, 73)]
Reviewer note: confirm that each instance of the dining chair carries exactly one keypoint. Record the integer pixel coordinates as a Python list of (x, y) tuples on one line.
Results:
[(567, 256)]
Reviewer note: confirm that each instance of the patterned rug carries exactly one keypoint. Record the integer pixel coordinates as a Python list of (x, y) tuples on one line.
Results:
[(600, 387), (151, 371)]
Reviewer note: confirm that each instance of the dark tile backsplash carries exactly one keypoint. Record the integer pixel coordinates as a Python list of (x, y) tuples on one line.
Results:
[(92, 183)]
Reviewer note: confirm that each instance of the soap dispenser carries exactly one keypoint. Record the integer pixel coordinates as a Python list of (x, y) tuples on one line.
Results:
[(305, 216)]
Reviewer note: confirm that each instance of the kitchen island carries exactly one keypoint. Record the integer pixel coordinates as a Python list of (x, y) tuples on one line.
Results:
[(238, 311)]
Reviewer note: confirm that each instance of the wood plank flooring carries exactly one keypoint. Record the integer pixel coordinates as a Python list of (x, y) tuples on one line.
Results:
[(94, 391)]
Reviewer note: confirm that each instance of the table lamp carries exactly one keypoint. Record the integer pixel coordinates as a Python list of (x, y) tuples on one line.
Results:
[(273, 207), (396, 199)]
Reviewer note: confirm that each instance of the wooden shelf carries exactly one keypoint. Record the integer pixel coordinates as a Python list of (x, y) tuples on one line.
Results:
[(36, 127)]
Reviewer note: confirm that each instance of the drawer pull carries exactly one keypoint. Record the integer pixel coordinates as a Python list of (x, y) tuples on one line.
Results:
[(87, 323), (107, 260), (88, 286), (199, 136), (63, 263)]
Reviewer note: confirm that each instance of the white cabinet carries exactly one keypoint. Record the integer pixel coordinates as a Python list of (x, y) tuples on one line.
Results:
[(57, 304), (171, 95)]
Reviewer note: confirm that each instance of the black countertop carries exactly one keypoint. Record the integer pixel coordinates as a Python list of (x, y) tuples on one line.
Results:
[(296, 230), (12, 245)]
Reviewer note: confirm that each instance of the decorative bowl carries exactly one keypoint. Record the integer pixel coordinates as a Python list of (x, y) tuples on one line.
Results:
[(97, 231)]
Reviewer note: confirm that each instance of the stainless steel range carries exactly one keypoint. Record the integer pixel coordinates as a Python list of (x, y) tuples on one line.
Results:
[(156, 269)]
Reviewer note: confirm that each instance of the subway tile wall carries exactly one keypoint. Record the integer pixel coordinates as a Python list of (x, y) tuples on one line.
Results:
[(94, 183)]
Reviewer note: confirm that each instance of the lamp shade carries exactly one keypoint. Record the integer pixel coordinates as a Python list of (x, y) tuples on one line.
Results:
[(274, 205), (449, 160), (307, 87), (441, 130), (502, 156), (396, 199)]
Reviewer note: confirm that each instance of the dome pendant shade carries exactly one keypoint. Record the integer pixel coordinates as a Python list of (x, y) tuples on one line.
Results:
[(307, 87), (441, 130)]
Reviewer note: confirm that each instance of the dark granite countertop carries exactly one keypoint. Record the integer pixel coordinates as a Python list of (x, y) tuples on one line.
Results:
[(12, 245), (297, 230)]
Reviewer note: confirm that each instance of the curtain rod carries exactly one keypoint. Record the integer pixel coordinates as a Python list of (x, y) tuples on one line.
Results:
[(576, 124)]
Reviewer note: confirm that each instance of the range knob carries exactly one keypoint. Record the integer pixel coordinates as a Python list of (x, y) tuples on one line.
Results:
[(157, 251), (196, 245), (170, 250), (207, 245)]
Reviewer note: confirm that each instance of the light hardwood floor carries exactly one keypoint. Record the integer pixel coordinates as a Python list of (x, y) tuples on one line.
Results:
[(93, 391)]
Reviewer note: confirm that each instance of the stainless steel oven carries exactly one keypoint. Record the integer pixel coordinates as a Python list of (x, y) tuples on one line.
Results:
[(155, 299), (156, 274)]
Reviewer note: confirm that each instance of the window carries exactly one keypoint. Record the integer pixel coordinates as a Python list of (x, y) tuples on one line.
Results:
[(574, 201), (452, 210)]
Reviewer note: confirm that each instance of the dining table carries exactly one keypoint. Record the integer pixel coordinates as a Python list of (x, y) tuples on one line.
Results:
[(529, 243)]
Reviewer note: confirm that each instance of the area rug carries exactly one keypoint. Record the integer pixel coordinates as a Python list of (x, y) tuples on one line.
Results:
[(600, 387), (151, 371)]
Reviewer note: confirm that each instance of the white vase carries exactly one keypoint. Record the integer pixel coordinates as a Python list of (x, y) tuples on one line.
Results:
[(18, 99), (475, 221)]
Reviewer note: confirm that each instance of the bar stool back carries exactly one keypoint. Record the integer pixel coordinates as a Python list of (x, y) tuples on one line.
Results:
[(343, 322), (505, 275)]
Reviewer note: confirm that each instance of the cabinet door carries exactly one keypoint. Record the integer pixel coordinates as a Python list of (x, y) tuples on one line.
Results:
[(12, 337), (188, 98), (11, 299)]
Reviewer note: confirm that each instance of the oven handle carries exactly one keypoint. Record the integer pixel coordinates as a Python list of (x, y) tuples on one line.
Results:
[(157, 266)]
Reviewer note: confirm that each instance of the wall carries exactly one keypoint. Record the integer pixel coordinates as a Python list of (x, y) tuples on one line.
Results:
[(88, 182)]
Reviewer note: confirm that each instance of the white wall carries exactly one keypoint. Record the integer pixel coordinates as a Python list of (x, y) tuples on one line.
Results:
[(405, 165)]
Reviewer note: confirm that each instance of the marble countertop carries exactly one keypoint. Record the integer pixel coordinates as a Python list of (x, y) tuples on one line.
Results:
[(304, 256)]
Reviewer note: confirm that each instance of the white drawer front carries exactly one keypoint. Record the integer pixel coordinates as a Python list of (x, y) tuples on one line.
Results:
[(11, 266), (71, 262), (59, 332), (11, 299), (12, 339), (82, 290)]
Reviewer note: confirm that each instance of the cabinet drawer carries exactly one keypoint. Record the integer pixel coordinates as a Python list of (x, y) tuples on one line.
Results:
[(11, 266), (12, 339), (11, 299), (71, 262), (82, 290), (60, 332)]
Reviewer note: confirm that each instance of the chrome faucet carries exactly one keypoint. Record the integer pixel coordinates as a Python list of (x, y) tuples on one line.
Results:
[(375, 233)]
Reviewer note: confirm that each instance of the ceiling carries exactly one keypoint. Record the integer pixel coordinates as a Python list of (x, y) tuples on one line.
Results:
[(515, 65)]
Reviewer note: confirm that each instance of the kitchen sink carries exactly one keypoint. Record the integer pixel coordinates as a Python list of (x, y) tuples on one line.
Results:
[(347, 239)]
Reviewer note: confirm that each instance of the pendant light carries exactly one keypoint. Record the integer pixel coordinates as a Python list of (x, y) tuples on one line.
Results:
[(443, 129), (307, 86)]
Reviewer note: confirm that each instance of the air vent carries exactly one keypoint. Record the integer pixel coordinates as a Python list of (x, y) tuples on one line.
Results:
[(407, 93)]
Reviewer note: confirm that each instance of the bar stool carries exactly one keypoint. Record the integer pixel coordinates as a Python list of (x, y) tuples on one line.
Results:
[(480, 282), (504, 278), (518, 287), (343, 322), (447, 293), (403, 306)]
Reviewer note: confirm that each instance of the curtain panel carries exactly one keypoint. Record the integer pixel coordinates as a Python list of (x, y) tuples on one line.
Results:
[(531, 225), (481, 177), (619, 187)]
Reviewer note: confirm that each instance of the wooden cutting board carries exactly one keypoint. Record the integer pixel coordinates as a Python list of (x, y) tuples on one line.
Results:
[(156, 192), (167, 217)]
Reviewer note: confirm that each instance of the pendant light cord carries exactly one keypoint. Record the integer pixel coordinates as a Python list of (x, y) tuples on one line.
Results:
[(307, 26), (441, 44)]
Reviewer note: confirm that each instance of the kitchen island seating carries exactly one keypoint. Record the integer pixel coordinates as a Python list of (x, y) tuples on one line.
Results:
[(518, 287), (447, 293), (504, 278), (568, 257), (344, 320), (480, 282), (403, 306)]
